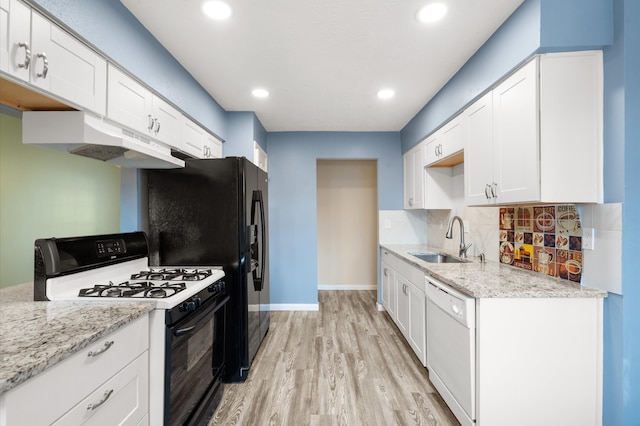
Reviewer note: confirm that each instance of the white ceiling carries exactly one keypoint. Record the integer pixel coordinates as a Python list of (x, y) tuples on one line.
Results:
[(323, 61)]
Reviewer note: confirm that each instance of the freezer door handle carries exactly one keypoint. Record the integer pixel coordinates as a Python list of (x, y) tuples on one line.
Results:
[(258, 208)]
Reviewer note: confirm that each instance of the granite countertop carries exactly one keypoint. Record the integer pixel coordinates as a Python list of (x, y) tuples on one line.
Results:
[(492, 279), (37, 335)]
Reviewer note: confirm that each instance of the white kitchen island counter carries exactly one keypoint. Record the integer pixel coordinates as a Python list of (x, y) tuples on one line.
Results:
[(37, 335), (492, 279)]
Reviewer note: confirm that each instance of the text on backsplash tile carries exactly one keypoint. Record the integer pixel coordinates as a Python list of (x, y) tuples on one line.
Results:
[(545, 239)]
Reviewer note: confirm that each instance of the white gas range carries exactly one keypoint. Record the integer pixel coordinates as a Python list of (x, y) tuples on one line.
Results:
[(189, 317)]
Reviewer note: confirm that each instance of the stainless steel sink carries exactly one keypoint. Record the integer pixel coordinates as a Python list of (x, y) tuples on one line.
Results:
[(437, 258)]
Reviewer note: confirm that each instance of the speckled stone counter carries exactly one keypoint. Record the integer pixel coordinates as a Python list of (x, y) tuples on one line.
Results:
[(37, 335), (492, 279)]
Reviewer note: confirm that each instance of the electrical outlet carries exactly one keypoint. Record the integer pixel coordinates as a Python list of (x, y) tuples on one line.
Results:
[(467, 226), (387, 223), (588, 238)]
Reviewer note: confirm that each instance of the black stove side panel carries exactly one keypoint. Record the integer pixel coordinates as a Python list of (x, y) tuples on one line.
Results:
[(196, 217)]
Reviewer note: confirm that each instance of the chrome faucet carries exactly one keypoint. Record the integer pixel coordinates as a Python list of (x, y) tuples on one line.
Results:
[(449, 235)]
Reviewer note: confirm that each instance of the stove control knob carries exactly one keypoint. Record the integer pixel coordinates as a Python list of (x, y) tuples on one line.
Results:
[(216, 287), (197, 301), (188, 306)]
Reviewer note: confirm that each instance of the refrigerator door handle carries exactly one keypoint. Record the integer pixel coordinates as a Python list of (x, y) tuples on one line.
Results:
[(257, 275)]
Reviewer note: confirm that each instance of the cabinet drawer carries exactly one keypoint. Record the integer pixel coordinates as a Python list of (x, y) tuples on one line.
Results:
[(123, 400), (60, 387), (412, 273), (388, 258)]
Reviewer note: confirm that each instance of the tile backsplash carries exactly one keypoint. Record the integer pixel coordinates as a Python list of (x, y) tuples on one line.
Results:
[(542, 238)]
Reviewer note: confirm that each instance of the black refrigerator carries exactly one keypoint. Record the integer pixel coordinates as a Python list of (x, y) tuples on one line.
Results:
[(213, 212)]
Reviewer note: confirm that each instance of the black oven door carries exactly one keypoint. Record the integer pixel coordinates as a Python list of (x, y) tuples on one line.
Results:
[(194, 364)]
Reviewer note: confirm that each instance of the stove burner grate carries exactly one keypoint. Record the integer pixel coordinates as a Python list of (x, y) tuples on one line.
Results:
[(142, 289), (172, 274)]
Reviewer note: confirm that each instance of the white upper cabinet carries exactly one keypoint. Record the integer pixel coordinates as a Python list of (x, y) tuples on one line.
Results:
[(212, 147), (413, 169), (130, 103), (537, 137), (447, 141), (167, 122), (15, 39), (478, 162), (38, 52), (516, 160)]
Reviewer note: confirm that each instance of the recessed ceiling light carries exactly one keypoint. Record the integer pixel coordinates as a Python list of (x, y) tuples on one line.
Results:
[(386, 94), (260, 93), (216, 9), (431, 12)]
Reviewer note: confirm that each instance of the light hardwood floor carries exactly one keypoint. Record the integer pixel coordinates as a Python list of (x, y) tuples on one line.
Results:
[(346, 364)]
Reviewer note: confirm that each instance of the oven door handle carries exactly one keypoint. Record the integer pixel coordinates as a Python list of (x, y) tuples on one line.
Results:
[(183, 331)]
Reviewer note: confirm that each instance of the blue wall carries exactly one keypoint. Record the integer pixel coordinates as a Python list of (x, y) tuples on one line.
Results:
[(109, 26), (292, 200), (535, 27), (630, 371)]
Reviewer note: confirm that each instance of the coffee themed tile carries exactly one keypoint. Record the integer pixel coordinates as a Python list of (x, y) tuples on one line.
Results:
[(524, 219), (507, 217), (507, 252), (544, 219), (575, 243), (567, 220), (523, 256), (573, 266), (546, 239), (544, 260), (538, 239), (562, 241)]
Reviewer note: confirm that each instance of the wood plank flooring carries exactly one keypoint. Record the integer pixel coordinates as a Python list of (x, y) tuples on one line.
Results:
[(346, 364)]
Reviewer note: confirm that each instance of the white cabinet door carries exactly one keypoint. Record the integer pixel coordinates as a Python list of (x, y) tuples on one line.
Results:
[(167, 122), (402, 292), (516, 136), (15, 38), (478, 161), (433, 147), (212, 146), (413, 172), (386, 284), (455, 136), (37, 51), (417, 322), (193, 139), (63, 66), (130, 103)]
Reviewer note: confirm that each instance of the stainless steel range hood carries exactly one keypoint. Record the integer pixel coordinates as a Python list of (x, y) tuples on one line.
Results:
[(79, 133)]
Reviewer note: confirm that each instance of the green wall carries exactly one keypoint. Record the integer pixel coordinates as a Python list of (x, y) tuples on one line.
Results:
[(48, 194)]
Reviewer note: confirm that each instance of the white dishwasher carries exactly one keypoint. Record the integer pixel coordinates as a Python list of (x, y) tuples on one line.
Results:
[(451, 348)]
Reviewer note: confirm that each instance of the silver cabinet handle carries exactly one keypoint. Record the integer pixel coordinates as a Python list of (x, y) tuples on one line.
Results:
[(386, 273), (157, 125), (45, 65), (107, 395), (27, 55), (494, 190), (411, 201), (151, 123), (106, 346), (487, 191)]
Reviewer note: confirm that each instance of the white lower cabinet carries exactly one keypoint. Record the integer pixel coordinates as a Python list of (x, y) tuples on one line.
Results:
[(388, 285), (104, 383), (403, 296), (539, 361)]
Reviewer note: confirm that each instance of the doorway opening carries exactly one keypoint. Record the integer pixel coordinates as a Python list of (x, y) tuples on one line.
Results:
[(347, 211)]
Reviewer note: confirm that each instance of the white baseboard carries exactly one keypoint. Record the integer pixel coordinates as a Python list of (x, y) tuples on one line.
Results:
[(347, 287), (380, 307), (294, 307)]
